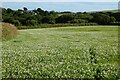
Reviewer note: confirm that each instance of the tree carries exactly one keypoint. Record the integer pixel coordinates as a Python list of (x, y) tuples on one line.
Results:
[(116, 16), (16, 22), (112, 19), (48, 19), (52, 12), (39, 10), (85, 16), (78, 21), (25, 9), (9, 10), (20, 10), (39, 18), (101, 19), (8, 19), (31, 22), (64, 19)]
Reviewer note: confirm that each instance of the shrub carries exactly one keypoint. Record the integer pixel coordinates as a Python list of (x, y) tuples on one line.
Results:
[(102, 19), (78, 21), (32, 22), (64, 19), (9, 31), (16, 22), (48, 19)]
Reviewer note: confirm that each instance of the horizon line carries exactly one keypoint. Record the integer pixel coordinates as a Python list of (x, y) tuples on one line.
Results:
[(66, 11), (62, 1)]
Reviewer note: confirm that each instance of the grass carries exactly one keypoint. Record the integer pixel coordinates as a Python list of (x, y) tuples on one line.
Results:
[(112, 11), (62, 53)]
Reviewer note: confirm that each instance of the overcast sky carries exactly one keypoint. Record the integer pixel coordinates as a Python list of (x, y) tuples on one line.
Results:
[(60, 0), (63, 6)]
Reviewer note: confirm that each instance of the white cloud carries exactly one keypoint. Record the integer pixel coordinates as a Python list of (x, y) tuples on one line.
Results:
[(60, 1)]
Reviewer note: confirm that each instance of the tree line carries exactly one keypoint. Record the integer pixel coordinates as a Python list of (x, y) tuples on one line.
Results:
[(25, 17)]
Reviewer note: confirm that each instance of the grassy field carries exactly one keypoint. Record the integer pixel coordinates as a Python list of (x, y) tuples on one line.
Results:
[(112, 11), (67, 52)]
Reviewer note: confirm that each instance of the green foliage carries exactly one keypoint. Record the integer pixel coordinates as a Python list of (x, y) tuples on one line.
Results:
[(8, 19), (116, 16), (112, 19), (78, 21), (25, 9), (56, 25), (62, 53), (85, 16), (16, 22), (40, 11), (31, 22), (48, 19), (26, 17), (102, 19), (9, 10), (52, 12), (64, 19)]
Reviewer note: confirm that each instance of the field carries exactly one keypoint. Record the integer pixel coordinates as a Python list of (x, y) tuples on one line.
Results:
[(67, 52)]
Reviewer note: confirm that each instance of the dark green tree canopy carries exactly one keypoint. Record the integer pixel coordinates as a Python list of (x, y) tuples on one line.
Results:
[(38, 16)]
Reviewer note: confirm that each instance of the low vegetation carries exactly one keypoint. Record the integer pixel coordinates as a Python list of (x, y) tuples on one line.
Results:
[(69, 52), (55, 25)]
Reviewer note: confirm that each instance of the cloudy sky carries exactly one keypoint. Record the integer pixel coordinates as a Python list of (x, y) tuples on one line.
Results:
[(63, 6), (60, 0)]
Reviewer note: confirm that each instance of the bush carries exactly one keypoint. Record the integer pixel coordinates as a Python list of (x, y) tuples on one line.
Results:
[(102, 19), (9, 31), (64, 19), (32, 22), (48, 19), (16, 22), (78, 21), (56, 25)]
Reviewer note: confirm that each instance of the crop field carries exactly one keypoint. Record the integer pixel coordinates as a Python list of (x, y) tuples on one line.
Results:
[(67, 52)]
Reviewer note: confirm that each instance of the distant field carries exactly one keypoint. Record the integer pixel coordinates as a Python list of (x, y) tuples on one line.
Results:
[(67, 52), (113, 11)]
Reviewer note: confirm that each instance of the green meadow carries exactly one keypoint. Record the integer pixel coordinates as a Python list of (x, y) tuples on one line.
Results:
[(66, 52)]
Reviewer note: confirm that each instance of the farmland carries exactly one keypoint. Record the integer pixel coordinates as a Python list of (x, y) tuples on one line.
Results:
[(67, 52)]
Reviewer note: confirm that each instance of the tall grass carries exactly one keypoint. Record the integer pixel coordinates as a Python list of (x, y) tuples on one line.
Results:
[(9, 31)]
